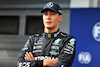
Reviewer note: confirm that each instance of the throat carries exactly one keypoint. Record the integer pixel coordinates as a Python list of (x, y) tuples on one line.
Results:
[(50, 30)]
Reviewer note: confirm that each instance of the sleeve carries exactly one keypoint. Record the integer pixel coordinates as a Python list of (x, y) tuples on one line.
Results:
[(67, 53), (28, 47)]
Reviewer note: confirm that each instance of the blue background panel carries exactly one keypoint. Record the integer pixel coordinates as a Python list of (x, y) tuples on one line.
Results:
[(82, 21)]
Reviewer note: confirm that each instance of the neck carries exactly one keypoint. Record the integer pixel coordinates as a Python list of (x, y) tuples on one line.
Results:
[(50, 30)]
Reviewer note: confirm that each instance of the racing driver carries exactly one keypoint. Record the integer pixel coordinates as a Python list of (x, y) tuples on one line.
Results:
[(52, 48)]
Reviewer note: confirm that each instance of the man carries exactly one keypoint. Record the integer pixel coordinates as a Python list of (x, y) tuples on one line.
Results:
[(52, 48)]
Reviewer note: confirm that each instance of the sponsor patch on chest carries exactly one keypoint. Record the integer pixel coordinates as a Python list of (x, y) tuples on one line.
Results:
[(54, 52), (55, 47), (57, 41), (39, 42)]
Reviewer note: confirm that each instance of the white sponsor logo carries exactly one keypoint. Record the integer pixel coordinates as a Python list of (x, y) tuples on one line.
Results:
[(96, 31), (37, 51), (55, 47), (70, 47), (39, 42), (55, 35), (84, 57), (50, 4), (60, 11), (37, 47), (24, 64), (44, 57), (68, 51)]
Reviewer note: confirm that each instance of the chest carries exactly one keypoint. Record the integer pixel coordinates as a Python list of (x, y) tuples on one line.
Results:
[(47, 47)]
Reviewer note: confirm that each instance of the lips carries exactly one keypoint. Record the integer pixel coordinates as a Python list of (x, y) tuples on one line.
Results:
[(48, 22)]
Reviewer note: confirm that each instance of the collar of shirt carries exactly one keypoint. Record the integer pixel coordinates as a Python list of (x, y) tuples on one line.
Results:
[(51, 35)]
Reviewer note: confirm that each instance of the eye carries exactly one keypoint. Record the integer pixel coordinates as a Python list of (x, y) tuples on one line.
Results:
[(45, 13), (52, 13)]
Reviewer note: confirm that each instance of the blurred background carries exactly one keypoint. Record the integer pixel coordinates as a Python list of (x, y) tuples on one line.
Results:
[(18, 20), (21, 18)]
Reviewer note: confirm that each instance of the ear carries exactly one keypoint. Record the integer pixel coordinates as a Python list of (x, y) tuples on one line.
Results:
[(60, 18)]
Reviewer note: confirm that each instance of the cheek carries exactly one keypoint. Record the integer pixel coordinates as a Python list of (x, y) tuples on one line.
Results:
[(43, 19), (56, 19)]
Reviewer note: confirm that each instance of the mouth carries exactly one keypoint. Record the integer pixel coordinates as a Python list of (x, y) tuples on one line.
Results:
[(48, 22)]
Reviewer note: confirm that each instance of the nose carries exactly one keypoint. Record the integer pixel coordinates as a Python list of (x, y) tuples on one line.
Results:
[(48, 17)]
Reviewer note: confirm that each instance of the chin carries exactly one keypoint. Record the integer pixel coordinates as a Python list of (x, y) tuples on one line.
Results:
[(49, 27)]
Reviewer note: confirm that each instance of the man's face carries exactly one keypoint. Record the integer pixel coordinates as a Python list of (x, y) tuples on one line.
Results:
[(51, 19)]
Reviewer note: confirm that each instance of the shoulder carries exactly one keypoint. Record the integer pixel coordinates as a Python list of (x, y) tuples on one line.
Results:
[(66, 35), (69, 39)]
